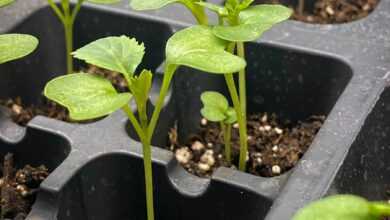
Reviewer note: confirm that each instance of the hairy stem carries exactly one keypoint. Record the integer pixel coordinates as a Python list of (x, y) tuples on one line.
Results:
[(242, 80), (68, 25), (198, 12), (67, 17), (228, 146), (56, 10), (134, 122), (168, 74), (241, 122), (147, 151)]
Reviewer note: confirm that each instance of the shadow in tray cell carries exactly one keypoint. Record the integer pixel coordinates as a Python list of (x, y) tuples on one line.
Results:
[(292, 84), (366, 168), (112, 187)]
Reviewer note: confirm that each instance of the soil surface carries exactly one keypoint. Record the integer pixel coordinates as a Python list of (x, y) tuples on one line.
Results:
[(22, 114), (275, 146), (19, 188), (331, 11)]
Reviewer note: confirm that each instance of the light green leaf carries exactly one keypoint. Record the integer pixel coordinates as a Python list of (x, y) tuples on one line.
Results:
[(150, 4), (86, 96), (215, 106), (231, 116), (140, 87), (245, 4), (254, 21), (5, 2), (15, 46), (212, 114), (104, 1), (119, 54), (222, 11), (341, 207), (199, 48)]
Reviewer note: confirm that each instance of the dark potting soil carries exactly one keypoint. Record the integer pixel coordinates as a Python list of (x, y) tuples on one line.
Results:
[(275, 146), (22, 114), (331, 11), (19, 188)]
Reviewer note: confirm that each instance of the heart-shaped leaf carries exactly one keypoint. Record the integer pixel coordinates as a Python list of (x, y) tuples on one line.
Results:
[(199, 48), (86, 96), (119, 54), (5, 2), (215, 106), (342, 207), (150, 4), (15, 46), (253, 22), (104, 1)]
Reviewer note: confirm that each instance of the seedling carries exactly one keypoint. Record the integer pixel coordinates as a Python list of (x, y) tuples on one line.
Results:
[(239, 22), (67, 16), (216, 109), (345, 207), (88, 96), (15, 46)]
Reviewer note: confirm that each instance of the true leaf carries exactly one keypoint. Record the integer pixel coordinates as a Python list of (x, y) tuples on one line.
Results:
[(199, 48), (140, 87), (5, 2), (104, 1), (345, 207), (120, 54), (253, 22), (150, 4), (14, 46), (86, 96), (222, 11), (231, 116)]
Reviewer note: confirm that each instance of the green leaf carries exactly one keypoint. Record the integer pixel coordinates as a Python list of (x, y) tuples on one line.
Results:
[(5, 2), (15, 46), (140, 87), (150, 4), (119, 54), (86, 96), (231, 116), (215, 106), (212, 114), (221, 11), (245, 4), (253, 22), (104, 1), (339, 207), (199, 48)]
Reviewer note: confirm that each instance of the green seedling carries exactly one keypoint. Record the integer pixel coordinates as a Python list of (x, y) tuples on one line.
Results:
[(344, 207), (239, 22), (88, 96), (216, 109), (67, 16)]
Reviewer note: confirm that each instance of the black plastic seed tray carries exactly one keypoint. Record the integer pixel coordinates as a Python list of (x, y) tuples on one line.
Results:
[(295, 70)]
